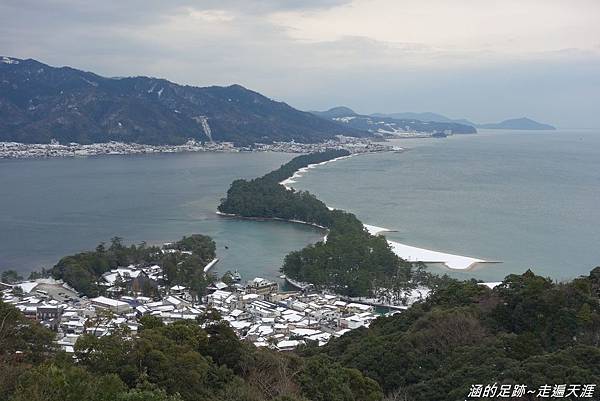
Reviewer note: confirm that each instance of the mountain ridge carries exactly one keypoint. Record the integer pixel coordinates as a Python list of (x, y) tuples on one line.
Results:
[(522, 123), (39, 102), (389, 126)]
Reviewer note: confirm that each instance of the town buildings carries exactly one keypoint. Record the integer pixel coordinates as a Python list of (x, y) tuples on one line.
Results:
[(257, 311)]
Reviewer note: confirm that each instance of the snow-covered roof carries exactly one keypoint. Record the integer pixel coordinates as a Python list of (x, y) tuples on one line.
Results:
[(219, 294), (359, 306), (27, 286), (288, 344), (220, 285), (108, 301)]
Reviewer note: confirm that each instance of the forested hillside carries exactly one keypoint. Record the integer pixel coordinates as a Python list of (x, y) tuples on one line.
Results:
[(178, 362), (528, 331), (83, 270), (39, 102), (391, 125)]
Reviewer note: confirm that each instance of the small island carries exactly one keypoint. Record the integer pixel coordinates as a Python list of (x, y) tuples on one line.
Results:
[(523, 123)]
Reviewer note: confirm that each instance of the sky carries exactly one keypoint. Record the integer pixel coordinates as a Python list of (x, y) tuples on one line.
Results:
[(485, 60)]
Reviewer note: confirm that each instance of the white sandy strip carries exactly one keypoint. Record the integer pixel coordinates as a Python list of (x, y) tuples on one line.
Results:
[(374, 230), (210, 265), (414, 254), (406, 252), (300, 172)]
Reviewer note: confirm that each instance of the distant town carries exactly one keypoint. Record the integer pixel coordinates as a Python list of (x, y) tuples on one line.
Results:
[(17, 150)]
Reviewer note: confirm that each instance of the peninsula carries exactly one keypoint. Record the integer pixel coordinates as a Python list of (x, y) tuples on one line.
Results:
[(350, 260)]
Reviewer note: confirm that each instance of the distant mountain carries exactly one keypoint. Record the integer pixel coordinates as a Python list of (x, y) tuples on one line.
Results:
[(39, 102), (523, 123), (385, 125), (425, 116), (335, 112), (516, 123)]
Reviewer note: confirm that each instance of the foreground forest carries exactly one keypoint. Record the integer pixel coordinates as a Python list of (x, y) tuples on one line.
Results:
[(529, 330)]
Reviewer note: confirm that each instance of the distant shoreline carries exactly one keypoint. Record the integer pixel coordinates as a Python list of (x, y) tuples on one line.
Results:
[(18, 150)]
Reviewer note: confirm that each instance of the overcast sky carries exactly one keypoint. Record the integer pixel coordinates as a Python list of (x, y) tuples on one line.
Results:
[(484, 60)]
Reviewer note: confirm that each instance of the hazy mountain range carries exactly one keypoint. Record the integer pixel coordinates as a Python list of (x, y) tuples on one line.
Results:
[(522, 123), (39, 102), (392, 124)]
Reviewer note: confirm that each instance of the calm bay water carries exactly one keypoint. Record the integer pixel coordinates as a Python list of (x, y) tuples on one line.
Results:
[(54, 207), (528, 199)]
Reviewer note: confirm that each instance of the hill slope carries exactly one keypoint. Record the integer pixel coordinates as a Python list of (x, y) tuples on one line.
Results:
[(523, 123), (39, 102), (424, 116), (385, 125)]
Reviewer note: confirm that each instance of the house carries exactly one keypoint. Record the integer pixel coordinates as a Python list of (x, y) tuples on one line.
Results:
[(111, 304), (287, 345), (49, 315), (261, 286), (359, 308)]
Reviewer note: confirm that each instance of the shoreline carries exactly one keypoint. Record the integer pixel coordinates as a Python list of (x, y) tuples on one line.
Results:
[(409, 253), (210, 265), (237, 216), (298, 173)]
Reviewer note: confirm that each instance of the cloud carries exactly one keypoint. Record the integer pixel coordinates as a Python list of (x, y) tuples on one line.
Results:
[(504, 27), (378, 54)]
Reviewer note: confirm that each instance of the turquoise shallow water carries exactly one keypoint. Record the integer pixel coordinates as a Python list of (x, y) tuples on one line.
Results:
[(528, 199), (54, 207)]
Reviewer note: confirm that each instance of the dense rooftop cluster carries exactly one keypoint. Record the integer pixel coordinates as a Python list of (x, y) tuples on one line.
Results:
[(257, 311)]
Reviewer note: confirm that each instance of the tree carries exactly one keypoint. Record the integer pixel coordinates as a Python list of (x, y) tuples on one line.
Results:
[(66, 383), (149, 322), (10, 277), (23, 338), (324, 380)]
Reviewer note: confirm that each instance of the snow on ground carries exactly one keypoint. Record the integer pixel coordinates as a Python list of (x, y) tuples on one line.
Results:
[(492, 285), (286, 183), (210, 264), (374, 230), (414, 254), (406, 252), (27, 286)]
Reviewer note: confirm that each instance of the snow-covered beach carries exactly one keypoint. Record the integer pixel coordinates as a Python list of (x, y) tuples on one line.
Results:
[(286, 183), (407, 252), (414, 254)]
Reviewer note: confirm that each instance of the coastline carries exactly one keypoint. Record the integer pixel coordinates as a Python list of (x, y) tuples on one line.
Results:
[(237, 216), (298, 173), (407, 252), (210, 265)]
